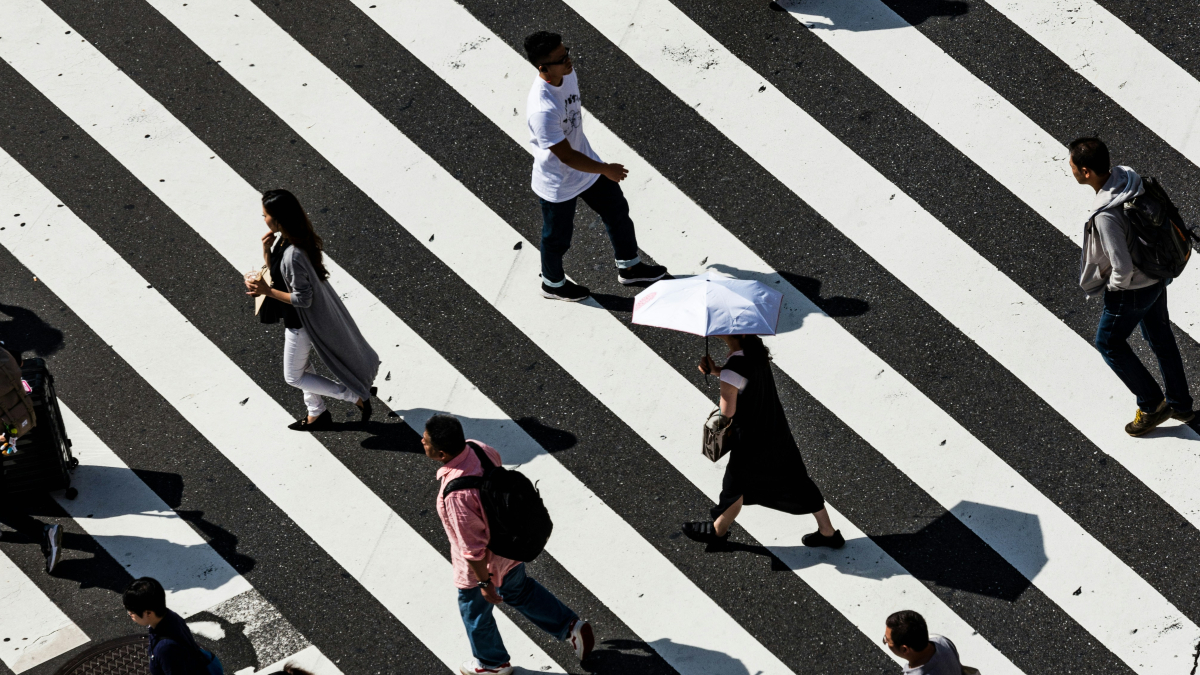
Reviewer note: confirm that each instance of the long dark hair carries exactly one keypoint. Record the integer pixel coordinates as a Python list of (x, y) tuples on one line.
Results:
[(754, 349), (285, 210)]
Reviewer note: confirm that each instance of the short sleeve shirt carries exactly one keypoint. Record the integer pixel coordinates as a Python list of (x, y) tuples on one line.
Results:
[(555, 114), (944, 662), (736, 379)]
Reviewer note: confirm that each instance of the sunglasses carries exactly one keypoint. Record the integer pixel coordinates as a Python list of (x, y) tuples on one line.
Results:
[(566, 57)]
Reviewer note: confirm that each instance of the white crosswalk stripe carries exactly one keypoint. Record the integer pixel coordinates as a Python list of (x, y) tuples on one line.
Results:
[(671, 611), (33, 629)]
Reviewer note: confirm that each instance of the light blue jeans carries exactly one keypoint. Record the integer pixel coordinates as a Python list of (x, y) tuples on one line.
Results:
[(523, 594)]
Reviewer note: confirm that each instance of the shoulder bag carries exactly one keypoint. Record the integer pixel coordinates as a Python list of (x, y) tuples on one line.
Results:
[(718, 437)]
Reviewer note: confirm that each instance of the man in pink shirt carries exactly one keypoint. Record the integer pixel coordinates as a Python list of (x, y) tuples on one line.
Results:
[(483, 578)]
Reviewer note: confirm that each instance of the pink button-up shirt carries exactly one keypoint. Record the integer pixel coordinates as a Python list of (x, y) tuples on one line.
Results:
[(466, 525)]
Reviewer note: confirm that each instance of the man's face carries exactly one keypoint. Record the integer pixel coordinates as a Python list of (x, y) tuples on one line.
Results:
[(144, 619), (430, 451), (899, 650), (558, 63), (1081, 175)]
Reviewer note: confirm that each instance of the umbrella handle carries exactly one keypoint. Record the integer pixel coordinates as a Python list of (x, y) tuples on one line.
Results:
[(706, 354)]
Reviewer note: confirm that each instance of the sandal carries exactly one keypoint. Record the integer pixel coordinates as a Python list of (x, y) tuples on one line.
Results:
[(323, 422)]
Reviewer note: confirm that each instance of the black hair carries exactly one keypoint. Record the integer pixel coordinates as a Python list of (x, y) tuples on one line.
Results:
[(1090, 152), (446, 434), (753, 348), (539, 45), (297, 229), (145, 595), (909, 630)]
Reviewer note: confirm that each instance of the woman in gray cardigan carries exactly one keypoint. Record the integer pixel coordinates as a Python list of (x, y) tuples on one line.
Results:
[(296, 265)]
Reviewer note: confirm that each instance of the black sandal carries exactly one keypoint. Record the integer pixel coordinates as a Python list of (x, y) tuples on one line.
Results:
[(704, 532), (366, 404), (323, 422)]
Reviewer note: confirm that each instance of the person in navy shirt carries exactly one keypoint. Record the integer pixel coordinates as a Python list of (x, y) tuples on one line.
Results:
[(173, 650)]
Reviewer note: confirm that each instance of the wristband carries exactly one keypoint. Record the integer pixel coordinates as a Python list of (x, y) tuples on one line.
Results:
[(485, 584)]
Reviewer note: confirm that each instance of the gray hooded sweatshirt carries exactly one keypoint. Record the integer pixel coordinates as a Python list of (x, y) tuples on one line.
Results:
[(334, 334), (1105, 262)]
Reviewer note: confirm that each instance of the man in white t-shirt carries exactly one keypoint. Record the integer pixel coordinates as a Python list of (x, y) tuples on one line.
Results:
[(565, 168), (908, 637)]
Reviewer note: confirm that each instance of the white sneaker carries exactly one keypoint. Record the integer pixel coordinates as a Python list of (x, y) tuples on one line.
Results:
[(473, 667), (582, 638), (52, 545)]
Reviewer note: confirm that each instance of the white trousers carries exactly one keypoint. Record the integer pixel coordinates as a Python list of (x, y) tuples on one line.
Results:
[(298, 371)]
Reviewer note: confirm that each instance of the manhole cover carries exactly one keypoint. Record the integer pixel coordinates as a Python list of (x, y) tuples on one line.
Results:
[(122, 656)]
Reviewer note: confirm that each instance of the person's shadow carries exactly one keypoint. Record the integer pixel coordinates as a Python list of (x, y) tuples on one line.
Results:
[(25, 331), (846, 16)]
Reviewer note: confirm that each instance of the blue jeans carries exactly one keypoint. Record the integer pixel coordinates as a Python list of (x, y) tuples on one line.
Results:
[(521, 593), (1147, 308), (558, 224)]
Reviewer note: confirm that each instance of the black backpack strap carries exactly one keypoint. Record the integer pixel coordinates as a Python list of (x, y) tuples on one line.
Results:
[(471, 482), (484, 460), (462, 483)]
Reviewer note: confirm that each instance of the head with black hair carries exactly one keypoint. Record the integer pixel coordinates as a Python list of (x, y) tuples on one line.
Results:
[(552, 58), (906, 634), (443, 439), (1090, 161), (283, 213), (750, 345), (146, 601)]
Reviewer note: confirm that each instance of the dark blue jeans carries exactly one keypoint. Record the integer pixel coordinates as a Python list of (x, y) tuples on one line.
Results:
[(558, 224), (521, 593), (1147, 308)]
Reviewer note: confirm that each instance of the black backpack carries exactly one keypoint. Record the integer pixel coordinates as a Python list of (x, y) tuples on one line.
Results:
[(519, 522), (1159, 241)]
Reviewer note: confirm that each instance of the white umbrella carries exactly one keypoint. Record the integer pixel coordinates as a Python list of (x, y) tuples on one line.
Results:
[(709, 304)]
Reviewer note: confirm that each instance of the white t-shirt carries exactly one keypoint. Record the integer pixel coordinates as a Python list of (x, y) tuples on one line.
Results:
[(554, 114), (944, 662)]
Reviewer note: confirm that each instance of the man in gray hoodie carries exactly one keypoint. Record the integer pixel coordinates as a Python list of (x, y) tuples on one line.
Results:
[(1132, 298)]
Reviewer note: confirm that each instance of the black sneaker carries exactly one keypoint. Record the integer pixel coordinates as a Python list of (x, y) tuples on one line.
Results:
[(641, 272), (815, 539), (1144, 422), (1185, 417), (51, 545), (704, 532), (569, 291)]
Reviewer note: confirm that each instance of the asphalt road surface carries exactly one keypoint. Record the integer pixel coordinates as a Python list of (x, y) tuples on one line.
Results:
[(896, 168)]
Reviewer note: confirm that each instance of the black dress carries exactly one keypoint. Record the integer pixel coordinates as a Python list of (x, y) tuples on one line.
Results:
[(765, 467)]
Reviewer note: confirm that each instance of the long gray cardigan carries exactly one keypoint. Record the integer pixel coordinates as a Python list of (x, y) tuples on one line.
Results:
[(334, 334)]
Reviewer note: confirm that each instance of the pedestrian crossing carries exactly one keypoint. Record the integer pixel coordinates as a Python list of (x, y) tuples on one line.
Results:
[(681, 605)]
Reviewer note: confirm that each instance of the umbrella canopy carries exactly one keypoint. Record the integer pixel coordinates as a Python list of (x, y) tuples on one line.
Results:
[(709, 304)]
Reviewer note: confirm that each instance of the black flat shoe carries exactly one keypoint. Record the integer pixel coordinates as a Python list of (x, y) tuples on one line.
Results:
[(366, 404), (815, 539), (323, 422), (704, 532)]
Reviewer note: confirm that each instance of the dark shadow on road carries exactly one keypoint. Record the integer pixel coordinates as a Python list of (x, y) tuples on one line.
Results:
[(849, 16), (25, 332)]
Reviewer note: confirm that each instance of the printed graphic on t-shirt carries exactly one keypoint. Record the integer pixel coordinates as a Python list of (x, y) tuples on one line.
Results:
[(573, 120)]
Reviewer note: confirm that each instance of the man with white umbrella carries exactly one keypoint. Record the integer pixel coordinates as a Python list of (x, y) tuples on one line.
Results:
[(765, 466)]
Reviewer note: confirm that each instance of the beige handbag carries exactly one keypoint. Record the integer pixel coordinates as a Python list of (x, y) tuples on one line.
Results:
[(265, 275), (717, 437)]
